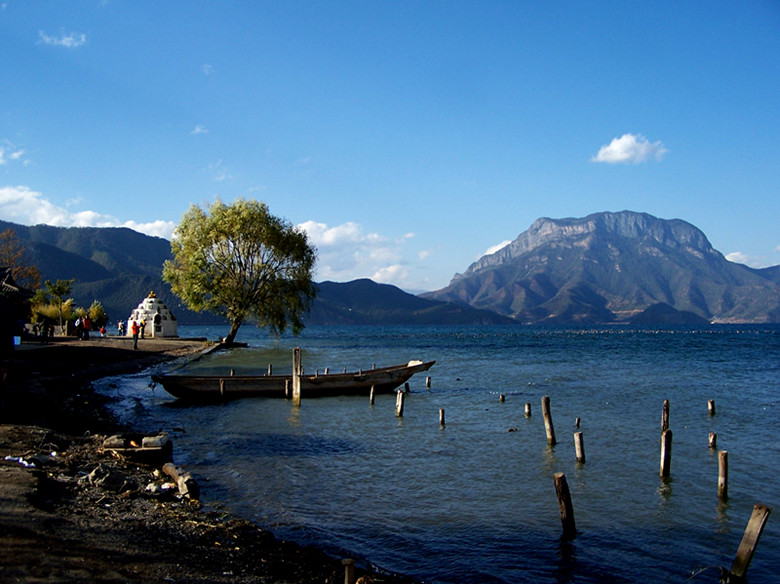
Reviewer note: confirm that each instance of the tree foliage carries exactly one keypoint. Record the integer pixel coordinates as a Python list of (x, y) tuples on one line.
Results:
[(243, 263), (58, 291), (14, 256)]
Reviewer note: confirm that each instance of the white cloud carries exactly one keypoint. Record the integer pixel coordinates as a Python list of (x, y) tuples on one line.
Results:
[(199, 130), (630, 148), (494, 248), (752, 261), (346, 252), (27, 207), (207, 69), (10, 153), (69, 41)]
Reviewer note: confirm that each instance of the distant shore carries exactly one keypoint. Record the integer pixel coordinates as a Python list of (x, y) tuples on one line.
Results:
[(70, 512)]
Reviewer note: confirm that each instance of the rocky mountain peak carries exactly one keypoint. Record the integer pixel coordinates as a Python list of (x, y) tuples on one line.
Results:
[(606, 227)]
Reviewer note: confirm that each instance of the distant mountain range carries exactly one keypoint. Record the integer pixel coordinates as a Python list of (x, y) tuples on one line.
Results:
[(616, 267), (604, 268), (119, 267)]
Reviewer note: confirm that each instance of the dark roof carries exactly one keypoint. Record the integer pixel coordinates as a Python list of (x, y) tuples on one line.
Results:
[(10, 288)]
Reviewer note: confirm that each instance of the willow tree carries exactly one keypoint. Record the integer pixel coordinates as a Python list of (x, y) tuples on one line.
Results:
[(241, 262)]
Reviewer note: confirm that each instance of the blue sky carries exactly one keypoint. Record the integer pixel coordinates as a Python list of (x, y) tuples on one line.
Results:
[(406, 137)]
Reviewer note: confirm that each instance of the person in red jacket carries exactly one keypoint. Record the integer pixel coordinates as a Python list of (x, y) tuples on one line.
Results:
[(135, 330)]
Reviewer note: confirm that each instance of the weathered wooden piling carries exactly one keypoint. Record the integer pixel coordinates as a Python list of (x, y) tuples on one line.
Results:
[(501, 398), (565, 506), (406, 388), (548, 423), (713, 440), (371, 396), (711, 407), (576, 422), (428, 382), (665, 416), (527, 410), (270, 369), (750, 540), (666, 452), (349, 570), (723, 475), (579, 447), (441, 417), (296, 377), (399, 404)]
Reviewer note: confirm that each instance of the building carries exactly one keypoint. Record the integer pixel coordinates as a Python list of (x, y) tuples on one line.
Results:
[(14, 310), (155, 317)]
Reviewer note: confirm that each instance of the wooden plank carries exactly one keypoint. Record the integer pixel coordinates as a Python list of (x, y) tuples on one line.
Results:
[(750, 540)]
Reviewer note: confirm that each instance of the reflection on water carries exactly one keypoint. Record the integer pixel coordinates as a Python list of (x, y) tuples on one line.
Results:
[(474, 502)]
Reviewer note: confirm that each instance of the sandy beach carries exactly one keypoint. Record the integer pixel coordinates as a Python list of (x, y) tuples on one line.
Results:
[(71, 511)]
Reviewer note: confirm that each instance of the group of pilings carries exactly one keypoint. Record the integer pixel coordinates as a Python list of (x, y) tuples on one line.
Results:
[(755, 525), (758, 518)]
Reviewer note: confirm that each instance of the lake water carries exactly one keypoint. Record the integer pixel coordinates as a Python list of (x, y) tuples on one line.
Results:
[(473, 501)]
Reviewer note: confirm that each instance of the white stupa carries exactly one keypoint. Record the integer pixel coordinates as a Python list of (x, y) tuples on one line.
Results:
[(159, 320)]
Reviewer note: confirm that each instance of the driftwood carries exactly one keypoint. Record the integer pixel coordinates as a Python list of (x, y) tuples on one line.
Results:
[(187, 485)]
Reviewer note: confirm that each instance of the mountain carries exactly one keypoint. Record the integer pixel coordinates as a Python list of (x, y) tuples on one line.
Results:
[(119, 267), (611, 267), (366, 302)]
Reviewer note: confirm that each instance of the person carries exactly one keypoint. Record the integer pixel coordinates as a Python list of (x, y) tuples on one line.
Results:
[(103, 331), (87, 322), (135, 330), (121, 328), (143, 327), (79, 328)]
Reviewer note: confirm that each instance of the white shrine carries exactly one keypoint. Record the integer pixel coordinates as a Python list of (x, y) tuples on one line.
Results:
[(157, 320)]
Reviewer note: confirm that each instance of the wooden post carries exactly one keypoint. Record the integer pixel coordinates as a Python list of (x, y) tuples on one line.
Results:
[(579, 447), (399, 404), (565, 506), (666, 452), (713, 440), (286, 389), (349, 570), (441, 416), (527, 410), (501, 398), (750, 540), (711, 407), (270, 369), (296, 377), (428, 382), (577, 423), (723, 475), (548, 423), (371, 396), (665, 416), (406, 388)]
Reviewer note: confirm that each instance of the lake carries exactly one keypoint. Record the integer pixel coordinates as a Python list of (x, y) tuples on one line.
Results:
[(474, 500)]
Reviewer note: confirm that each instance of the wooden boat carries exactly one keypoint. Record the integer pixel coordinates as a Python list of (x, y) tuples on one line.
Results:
[(204, 388)]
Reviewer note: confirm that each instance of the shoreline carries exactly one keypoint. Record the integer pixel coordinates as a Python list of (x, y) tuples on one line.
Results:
[(71, 512)]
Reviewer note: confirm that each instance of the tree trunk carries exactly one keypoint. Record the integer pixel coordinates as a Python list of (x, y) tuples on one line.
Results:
[(234, 326)]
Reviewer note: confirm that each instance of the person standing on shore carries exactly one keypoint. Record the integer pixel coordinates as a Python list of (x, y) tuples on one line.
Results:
[(135, 330)]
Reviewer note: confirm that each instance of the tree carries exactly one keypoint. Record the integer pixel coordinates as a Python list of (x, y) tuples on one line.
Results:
[(14, 256), (243, 263), (58, 291)]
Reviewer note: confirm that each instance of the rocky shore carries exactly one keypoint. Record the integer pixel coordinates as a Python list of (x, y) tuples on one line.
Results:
[(72, 511)]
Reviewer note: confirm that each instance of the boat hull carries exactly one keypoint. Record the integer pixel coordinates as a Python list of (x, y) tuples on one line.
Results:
[(216, 388)]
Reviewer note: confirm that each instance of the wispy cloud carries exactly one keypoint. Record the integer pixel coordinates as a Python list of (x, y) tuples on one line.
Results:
[(9, 153), (494, 248), (199, 130), (207, 69), (346, 252), (69, 41), (28, 207), (752, 261), (630, 149)]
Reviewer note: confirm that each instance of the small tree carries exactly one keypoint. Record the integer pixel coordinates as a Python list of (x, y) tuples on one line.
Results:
[(14, 256), (58, 291), (241, 262), (97, 314)]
